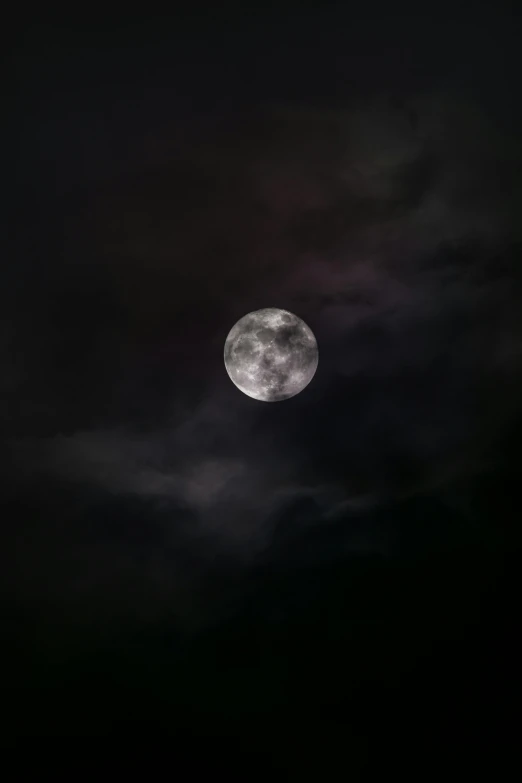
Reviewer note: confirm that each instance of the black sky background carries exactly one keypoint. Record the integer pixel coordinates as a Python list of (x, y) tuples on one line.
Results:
[(332, 580)]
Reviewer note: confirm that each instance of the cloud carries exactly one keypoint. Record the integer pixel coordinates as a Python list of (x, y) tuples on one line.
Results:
[(391, 231)]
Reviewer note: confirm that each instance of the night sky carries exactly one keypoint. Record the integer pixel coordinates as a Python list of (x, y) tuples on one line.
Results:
[(329, 582)]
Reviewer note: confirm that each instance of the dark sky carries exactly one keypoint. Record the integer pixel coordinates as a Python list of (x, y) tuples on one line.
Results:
[(330, 579)]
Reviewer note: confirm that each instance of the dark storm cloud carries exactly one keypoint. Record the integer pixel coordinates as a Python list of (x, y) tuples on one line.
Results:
[(393, 231)]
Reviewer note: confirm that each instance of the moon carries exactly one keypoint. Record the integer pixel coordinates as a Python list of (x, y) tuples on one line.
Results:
[(271, 354)]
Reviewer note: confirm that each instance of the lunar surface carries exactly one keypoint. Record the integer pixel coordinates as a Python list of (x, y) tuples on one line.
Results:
[(271, 354)]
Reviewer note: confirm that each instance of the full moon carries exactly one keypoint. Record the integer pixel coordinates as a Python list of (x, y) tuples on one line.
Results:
[(271, 354)]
